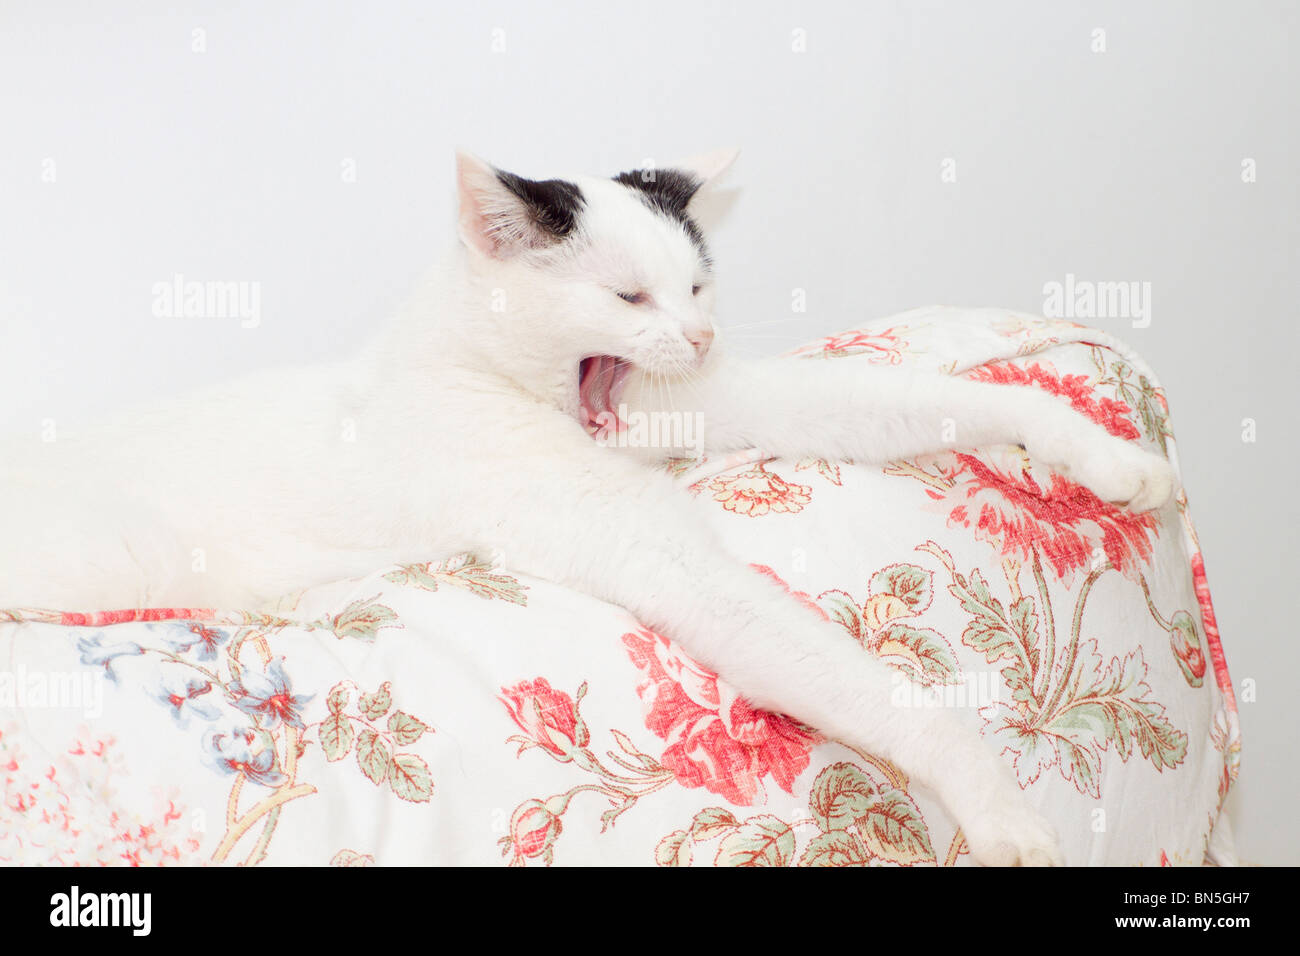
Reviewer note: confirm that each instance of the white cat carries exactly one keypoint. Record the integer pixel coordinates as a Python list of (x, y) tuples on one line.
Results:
[(469, 426)]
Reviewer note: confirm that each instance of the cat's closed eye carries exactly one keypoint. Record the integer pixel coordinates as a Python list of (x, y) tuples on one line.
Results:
[(635, 298), (695, 289)]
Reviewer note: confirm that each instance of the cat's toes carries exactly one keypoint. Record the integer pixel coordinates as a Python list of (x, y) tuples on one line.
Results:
[(1116, 471), (1013, 836), (1133, 477), (1158, 485)]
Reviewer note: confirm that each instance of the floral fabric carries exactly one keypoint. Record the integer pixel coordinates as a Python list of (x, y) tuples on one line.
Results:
[(459, 713)]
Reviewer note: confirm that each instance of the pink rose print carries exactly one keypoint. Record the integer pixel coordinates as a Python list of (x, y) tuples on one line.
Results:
[(548, 717), (714, 738)]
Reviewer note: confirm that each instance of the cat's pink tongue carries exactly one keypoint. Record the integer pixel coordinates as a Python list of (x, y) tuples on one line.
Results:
[(598, 388)]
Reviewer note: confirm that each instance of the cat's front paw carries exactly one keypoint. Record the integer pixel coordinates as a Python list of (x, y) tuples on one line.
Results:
[(1013, 834), (1115, 470), (1156, 484)]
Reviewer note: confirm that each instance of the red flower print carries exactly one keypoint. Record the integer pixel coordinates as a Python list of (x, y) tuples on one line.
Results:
[(547, 716), (1212, 630), (105, 618), (714, 739), (1065, 522), (756, 492), (881, 348), (1107, 412)]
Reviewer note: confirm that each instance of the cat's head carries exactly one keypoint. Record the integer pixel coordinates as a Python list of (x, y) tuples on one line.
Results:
[(590, 277)]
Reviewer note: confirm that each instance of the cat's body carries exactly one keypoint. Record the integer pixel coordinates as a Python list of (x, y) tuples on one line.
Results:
[(468, 427)]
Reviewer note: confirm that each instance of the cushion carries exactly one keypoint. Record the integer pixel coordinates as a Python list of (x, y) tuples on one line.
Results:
[(457, 712)]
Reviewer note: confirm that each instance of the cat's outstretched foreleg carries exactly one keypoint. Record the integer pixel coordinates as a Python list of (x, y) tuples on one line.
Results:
[(615, 531), (831, 409)]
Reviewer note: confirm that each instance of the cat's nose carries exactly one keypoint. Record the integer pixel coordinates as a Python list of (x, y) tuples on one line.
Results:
[(702, 340)]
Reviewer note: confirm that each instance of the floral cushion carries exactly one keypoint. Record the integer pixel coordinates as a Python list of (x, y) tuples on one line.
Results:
[(459, 713)]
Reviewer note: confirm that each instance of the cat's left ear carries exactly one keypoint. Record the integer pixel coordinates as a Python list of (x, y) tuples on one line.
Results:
[(707, 167)]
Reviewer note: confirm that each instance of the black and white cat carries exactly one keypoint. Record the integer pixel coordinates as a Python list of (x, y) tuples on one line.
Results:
[(478, 422)]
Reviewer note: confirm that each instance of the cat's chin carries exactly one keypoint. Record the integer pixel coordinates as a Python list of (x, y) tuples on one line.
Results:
[(600, 385)]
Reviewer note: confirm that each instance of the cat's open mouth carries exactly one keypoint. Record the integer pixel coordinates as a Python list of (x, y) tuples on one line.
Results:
[(600, 382)]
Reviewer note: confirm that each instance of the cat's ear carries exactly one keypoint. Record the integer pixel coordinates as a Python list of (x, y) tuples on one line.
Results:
[(707, 167), (678, 189), (502, 215), (706, 204)]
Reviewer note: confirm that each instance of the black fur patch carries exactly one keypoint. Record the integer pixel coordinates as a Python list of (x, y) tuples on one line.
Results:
[(553, 204), (669, 192)]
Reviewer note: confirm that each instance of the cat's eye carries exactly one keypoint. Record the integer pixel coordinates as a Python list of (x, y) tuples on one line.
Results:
[(695, 289), (635, 298)]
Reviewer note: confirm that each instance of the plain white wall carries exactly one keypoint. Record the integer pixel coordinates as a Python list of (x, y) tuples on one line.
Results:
[(127, 156)]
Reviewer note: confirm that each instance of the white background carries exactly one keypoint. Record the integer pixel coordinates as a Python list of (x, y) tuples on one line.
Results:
[(1123, 165)]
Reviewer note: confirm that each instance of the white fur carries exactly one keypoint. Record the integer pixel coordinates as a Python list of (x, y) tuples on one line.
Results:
[(465, 438)]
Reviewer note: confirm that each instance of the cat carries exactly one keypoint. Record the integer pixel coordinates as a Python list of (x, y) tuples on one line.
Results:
[(486, 418)]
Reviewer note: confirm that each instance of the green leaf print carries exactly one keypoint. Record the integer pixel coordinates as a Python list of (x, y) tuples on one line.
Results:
[(924, 655), (372, 756), (409, 777), (840, 795), (836, 848), (405, 728), (760, 841), (908, 582)]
